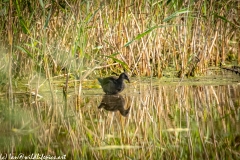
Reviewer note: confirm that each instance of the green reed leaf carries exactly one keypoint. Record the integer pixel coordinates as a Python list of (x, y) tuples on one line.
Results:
[(112, 56), (175, 14), (24, 26), (139, 36), (224, 19), (24, 50), (41, 3)]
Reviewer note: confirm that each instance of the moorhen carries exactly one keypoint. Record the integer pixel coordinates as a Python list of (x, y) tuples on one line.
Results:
[(113, 85)]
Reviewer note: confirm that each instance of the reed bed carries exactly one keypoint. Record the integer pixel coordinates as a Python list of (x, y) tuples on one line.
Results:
[(85, 39), (144, 37), (52, 49)]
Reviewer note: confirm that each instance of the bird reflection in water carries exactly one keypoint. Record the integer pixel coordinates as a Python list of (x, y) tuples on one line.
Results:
[(113, 103)]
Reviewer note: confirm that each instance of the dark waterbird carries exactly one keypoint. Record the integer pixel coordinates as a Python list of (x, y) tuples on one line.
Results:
[(113, 85)]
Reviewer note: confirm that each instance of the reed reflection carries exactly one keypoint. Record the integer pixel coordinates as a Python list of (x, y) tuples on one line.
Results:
[(114, 103)]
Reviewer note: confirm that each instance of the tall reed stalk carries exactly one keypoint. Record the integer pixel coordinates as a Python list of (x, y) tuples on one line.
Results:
[(148, 37)]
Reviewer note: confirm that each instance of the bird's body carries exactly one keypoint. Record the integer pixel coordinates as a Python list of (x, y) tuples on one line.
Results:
[(113, 85)]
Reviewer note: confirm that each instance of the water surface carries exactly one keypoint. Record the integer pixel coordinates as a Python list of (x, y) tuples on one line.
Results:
[(151, 119)]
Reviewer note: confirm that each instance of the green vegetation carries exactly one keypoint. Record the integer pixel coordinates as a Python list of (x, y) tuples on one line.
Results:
[(52, 52), (144, 37)]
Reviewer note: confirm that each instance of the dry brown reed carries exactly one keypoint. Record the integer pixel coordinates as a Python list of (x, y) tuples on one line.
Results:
[(82, 39), (188, 36)]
